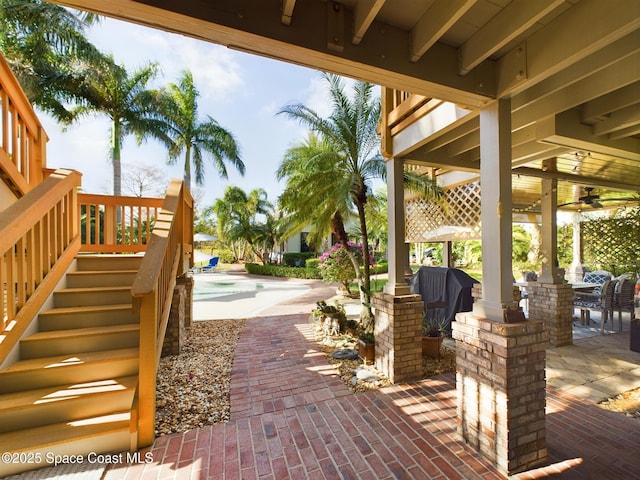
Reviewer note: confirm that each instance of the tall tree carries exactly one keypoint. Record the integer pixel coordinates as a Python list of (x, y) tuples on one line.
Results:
[(339, 178), (46, 47), (187, 134), (246, 220), (125, 100)]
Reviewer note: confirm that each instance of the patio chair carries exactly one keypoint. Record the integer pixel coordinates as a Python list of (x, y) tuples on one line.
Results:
[(624, 300), (602, 301), (598, 277), (213, 263)]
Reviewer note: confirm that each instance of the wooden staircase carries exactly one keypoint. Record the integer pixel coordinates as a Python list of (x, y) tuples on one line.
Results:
[(72, 390)]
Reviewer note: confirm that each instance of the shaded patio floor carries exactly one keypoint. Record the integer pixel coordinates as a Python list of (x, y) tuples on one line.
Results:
[(292, 417)]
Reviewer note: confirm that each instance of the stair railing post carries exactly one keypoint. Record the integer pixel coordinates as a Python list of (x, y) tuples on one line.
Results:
[(148, 311)]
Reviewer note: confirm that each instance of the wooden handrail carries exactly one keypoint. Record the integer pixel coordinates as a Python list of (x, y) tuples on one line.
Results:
[(116, 224), (166, 258), (38, 241), (22, 138)]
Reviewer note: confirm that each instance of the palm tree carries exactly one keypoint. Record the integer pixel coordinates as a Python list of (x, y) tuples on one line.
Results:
[(187, 134), (324, 207), (125, 99), (332, 175), (45, 45), (239, 222)]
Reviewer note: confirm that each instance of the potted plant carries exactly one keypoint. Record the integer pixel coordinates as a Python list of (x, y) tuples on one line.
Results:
[(433, 330), (352, 326), (367, 347), (328, 314)]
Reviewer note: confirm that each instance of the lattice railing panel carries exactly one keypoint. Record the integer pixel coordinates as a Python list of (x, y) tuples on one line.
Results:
[(612, 243), (458, 218)]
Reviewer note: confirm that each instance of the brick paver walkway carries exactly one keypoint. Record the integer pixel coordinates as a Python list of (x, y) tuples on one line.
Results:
[(292, 417)]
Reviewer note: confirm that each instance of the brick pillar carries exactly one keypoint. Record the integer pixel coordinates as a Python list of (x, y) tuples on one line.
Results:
[(500, 382), (553, 304), (174, 336), (398, 332), (188, 283)]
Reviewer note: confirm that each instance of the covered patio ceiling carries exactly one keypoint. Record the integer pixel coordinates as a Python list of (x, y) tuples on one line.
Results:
[(570, 67)]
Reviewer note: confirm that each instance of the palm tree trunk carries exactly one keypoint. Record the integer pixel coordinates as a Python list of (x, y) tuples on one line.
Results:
[(187, 167), (365, 280), (116, 134), (115, 158)]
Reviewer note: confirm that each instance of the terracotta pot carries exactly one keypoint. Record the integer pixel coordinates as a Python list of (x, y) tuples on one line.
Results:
[(634, 342), (431, 346), (366, 351)]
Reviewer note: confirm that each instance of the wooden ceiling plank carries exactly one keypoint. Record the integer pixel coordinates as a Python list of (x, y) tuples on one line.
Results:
[(364, 15), (434, 23), (512, 21)]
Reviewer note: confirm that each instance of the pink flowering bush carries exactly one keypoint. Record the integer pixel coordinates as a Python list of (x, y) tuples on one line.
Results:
[(335, 265)]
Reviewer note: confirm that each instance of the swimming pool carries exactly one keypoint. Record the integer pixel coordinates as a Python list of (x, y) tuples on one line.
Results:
[(220, 296)]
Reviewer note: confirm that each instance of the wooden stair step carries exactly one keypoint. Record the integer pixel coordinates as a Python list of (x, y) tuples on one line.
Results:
[(61, 318), (103, 434), (79, 340), (70, 297), (71, 368), (58, 403), (108, 262), (95, 278)]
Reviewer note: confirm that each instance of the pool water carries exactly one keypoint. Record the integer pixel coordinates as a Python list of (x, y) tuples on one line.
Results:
[(211, 289)]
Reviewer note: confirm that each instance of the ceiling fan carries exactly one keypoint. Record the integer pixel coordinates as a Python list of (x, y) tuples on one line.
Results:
[(594, 200)]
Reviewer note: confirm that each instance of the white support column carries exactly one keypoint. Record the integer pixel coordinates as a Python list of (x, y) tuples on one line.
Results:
[(495, 178), (549, 250), (396, 284)]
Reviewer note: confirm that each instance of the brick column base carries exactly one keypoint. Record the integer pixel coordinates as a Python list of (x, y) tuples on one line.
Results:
[(500, 382), (553, 304), (174, 336), (188, 283), (398, 331)]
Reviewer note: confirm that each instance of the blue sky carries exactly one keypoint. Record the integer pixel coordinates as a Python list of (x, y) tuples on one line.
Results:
[(242, 92)]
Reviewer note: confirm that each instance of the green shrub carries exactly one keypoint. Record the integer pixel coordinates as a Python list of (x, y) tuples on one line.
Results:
[(312, 263), (226, 256), (278, 271), (296, 259)]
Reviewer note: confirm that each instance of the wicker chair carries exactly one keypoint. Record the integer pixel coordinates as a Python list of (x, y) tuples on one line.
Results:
[(601, 301), (624, 299)]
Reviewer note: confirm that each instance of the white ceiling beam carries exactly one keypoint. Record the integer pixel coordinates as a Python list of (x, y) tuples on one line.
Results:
[(565, 130), (512, 21), (438, 18), (287, 11), (625, 132), (612, 53), (621, 119), (609, 79), (363, 16), (617, 100), (577, 179), (556, 46)]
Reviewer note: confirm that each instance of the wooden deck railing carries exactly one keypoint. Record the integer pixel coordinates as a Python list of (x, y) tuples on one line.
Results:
[(38, 241), (22, 138), (399, 110), (110, 224), (168, 256)]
